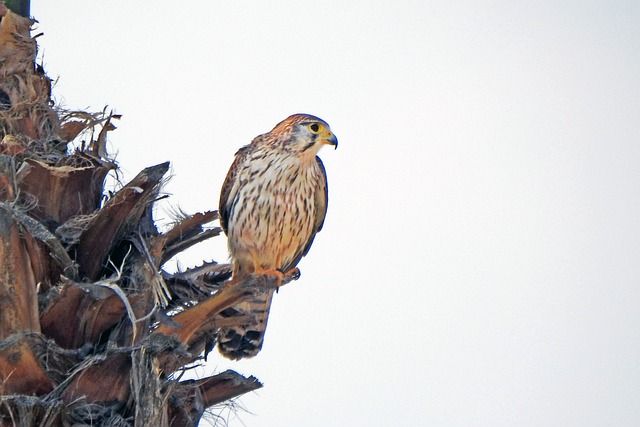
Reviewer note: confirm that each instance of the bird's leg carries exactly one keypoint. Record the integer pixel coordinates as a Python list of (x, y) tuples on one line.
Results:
[(230, 282)]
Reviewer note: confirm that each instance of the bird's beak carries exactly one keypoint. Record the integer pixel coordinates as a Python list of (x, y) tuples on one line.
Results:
[(330, 139)]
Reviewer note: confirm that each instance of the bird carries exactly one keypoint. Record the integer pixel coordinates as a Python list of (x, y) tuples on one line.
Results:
[(272, 204)]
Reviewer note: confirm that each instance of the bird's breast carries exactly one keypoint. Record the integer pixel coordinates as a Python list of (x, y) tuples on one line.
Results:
[(274, 212)]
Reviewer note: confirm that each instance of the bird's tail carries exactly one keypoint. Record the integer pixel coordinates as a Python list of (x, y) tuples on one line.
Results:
[(245, 340)]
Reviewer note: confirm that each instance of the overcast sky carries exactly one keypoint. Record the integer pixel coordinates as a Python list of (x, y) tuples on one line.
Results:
[(480, 260)]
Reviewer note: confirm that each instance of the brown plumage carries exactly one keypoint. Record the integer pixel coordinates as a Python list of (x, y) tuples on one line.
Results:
[(272, 204)]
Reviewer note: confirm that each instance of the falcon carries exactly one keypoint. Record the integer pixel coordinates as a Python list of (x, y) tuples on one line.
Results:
[(272, 204)]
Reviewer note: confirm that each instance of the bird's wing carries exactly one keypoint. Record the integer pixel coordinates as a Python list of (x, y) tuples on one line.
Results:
[(322, 199), (230, 187)]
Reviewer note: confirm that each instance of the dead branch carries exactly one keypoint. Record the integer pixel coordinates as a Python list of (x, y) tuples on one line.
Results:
[(190, 398), (118, 217), (193, 319)]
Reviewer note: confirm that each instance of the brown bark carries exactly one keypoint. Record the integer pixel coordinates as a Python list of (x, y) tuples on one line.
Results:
[(20, 371), (80, 314), (67, 180), (18, 296)]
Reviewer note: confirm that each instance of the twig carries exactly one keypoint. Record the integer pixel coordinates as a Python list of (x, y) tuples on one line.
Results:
[(109, 283)]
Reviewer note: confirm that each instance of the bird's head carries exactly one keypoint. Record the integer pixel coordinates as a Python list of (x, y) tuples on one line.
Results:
[(304, 134)]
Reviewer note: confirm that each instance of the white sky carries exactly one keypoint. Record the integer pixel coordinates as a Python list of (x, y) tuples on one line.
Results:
[(480, 261)]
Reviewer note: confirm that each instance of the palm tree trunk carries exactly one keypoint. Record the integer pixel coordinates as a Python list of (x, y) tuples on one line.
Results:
[(88, 327)]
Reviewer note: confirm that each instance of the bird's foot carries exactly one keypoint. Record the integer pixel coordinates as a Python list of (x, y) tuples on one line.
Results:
[(288, 276), (277, 274), (291, 275), (282, 277)]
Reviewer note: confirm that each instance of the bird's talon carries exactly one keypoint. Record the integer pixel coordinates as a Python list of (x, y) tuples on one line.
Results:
[(294, 273)]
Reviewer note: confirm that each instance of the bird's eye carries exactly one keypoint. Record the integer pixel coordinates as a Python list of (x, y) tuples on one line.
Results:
[(314, 127)]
